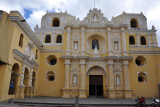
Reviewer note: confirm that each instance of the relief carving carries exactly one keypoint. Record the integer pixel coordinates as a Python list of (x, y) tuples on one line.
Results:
[(117, 68)]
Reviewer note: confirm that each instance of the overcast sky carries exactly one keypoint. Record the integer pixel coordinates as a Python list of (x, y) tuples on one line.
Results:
[(32, 10)]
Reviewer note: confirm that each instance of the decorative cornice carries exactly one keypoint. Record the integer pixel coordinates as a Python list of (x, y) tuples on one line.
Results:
[(27, 30), (23, 57), (135, 51), (52, 50)]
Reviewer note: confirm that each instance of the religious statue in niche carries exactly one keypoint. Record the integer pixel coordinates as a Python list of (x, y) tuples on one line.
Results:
[(87, 20), (95, 18), (75, 45), (117, 80), (116, 47), (74, 79)]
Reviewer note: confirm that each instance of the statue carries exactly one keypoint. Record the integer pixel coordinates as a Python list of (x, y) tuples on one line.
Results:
[(95, 50), (95, 18)]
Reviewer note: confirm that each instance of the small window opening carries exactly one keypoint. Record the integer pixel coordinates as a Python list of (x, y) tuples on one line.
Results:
[(133, 23), (59, 39), (140, 61), (56, 22), (48, 39), (143, 40), (52, 60), (142, 77), (21, 40)]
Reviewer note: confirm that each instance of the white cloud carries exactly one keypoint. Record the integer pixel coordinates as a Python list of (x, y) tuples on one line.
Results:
[(80, 8)]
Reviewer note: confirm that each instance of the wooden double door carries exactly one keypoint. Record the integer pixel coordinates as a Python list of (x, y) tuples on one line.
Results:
[(96, 85)]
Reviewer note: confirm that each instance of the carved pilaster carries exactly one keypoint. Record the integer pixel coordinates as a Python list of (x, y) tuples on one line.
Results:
[(149, 40), (68, 40), (22, 76), (109, 41), (111, 79), (128, 93), (124, 41), (138, 39), (83, 41), (82, 93), (154, 39)]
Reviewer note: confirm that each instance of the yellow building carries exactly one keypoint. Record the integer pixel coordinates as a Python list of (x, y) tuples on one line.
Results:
[(66, 57)]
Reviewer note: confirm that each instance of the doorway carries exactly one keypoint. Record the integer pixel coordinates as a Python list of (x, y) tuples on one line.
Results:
[(96, 85)]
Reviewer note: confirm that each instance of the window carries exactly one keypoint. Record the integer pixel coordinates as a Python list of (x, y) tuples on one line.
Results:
[(50, 76), (142, 77), (133, 23), (52, 60), (95, 43), (59, 39), (140, 61), (21, 40), (55, 22), (48, 39), (131, 40), (36, 54), (143, 40)]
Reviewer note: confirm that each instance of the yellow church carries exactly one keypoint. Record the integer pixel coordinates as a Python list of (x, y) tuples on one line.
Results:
[(68, 57)]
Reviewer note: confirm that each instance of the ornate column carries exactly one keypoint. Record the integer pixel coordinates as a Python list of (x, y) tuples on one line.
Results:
[(149, 40), (128, 92), (154, 40), (83, 40), (111, 79), (124, 41), (68, 40), (29, 88), (109, 41), (21, 87), (138, 39), (66, 90), (82, 91)]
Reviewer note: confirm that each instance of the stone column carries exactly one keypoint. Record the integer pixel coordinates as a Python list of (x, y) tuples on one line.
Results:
[(82, 40), (124, 41), (66, 90), (109, 41), (111, 79), (68, 40), (154, 40), (82, 91), (138, 39), (21, 86), (128, 92), (149, 40), (29, 88)]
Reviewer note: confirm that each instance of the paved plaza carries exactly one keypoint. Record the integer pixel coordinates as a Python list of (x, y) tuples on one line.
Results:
[(70, 102)]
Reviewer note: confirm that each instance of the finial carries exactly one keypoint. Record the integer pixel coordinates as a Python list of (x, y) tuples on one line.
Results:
[(153, 28)]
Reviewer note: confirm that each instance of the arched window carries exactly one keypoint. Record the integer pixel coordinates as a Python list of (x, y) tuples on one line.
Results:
[(143, 40), (21, 40), (33, 78), (134, 23), (36, 54), (131, 40), (50, 76), (56, 22), (14, 79), (142, 77), (59, 39), (95, 43), (48, 39)]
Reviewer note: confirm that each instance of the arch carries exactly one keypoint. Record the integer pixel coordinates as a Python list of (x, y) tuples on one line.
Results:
[(95, 43), (55, 22), (59, 39), (131, 40), (96, 70), (95, 18), (134, 23), (48, 39), (143, 40), (14, 79), (21, 40)]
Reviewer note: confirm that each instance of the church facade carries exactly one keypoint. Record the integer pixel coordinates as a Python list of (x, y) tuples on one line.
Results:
[(68, 57)]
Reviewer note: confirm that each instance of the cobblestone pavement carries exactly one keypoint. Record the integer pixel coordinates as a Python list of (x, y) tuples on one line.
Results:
[(68, 102)]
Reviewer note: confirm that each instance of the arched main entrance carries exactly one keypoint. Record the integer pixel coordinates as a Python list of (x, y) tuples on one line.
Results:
[(14, 79), (96, 77)]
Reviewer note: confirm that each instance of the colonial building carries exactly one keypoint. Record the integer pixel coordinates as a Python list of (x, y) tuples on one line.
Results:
[(67, 57)]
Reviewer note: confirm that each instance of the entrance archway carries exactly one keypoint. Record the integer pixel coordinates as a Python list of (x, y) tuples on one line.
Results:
[(96, 76), (14, 79), (26, 81)]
